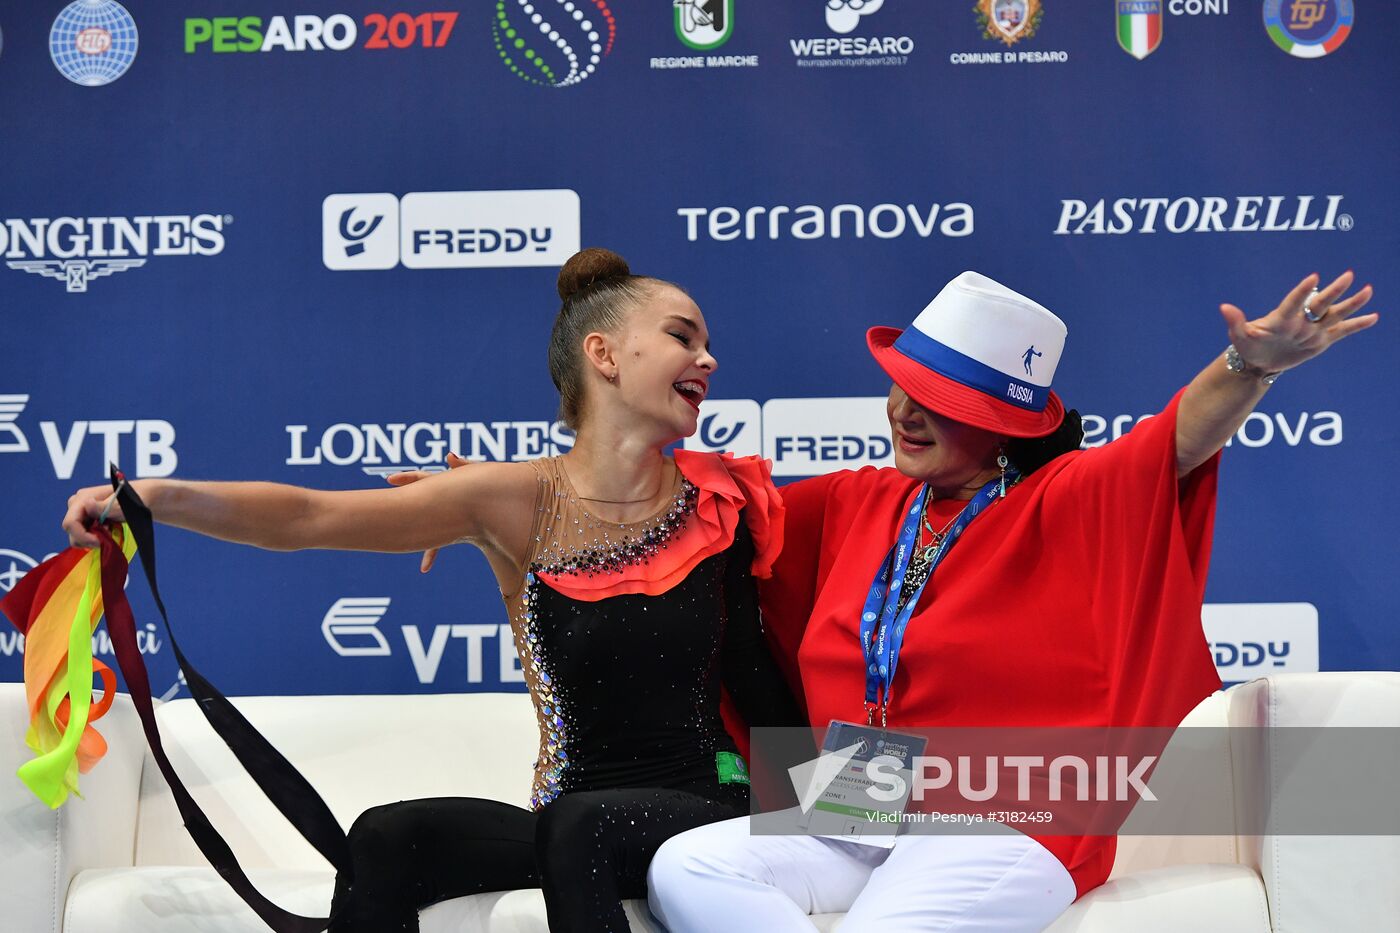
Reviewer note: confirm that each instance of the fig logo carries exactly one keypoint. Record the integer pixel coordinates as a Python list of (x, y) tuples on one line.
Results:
[(571, 32)]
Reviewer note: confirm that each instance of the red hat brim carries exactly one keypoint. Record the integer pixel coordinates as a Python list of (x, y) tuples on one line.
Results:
[(953, 399)]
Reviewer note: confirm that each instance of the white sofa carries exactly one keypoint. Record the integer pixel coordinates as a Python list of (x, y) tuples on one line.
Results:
[(120, 860)]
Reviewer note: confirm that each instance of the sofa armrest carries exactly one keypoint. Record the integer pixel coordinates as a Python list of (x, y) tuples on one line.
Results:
[(43, 849), (1317, 882)]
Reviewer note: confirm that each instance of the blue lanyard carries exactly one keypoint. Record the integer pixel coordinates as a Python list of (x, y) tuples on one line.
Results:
[(881, 627)]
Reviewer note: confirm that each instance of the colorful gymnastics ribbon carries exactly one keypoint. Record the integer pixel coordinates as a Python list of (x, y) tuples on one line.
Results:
[(281, 783), (56, 607)]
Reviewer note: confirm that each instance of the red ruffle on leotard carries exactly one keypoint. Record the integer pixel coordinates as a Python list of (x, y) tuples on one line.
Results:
[(725, 486)]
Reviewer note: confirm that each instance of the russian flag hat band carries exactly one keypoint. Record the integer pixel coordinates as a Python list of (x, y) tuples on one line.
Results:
[(981, 354)]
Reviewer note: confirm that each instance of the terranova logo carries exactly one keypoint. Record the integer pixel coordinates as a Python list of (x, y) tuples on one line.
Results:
[(93, 42), (1139, 27), (571, 31), (704, 24), (75, 250), (1308, 28)]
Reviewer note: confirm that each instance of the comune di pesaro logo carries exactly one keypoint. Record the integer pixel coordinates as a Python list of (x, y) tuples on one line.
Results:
[(76, 250)]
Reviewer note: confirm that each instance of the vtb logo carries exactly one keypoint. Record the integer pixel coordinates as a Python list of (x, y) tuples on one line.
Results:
[(12, 439)]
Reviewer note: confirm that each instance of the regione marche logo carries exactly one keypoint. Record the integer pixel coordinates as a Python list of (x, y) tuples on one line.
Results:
[(450, 229), (704, 24)]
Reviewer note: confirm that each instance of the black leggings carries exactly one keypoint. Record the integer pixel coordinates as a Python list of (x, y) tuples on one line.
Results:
[(588, 850)]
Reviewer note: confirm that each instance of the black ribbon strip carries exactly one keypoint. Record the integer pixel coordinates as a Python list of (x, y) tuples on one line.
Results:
[(280, 782)]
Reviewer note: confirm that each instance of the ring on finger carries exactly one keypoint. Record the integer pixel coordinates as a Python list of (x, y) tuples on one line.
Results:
[(1309, 313)]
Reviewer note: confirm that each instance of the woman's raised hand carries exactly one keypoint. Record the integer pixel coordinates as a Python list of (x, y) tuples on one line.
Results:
[(1287, 336), (413, 476), (85, 506)]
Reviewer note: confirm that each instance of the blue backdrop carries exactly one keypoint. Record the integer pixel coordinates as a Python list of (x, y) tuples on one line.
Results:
[(314, 243)]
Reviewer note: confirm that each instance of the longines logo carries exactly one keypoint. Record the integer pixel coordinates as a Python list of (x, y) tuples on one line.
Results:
[(381, 449), (76, 250)]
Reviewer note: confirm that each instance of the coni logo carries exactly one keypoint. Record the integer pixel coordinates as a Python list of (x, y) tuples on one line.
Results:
[(569, 30)]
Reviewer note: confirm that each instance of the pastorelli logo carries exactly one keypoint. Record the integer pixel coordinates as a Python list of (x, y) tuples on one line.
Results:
[(1244, 214), (75, 250)]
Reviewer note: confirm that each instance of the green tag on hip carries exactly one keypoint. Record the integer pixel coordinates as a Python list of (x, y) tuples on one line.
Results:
[(731, 768)]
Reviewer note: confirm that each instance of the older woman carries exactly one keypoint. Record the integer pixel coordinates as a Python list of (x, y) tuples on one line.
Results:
[(1063, 595)]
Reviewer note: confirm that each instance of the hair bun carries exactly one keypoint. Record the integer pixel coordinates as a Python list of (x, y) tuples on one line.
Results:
[(588, 266)]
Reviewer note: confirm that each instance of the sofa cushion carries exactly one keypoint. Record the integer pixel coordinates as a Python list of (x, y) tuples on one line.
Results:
[(196, 900), (1201, 898)]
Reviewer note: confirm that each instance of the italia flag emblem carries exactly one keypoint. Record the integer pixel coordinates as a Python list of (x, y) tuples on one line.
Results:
[(1139, 26)]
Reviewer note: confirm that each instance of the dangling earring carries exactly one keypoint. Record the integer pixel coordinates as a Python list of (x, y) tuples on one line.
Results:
[(1002, 463)]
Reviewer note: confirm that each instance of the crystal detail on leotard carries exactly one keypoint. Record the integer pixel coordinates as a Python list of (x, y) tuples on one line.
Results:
[(601, 548)]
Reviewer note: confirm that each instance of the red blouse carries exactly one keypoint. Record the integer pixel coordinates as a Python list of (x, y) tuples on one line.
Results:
[(1074, 601)]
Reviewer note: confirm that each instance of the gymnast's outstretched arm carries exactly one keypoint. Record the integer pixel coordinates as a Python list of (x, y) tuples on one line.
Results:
[(487, 505)]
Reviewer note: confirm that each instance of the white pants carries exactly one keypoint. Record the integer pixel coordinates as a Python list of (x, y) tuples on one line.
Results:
[(719, 877)]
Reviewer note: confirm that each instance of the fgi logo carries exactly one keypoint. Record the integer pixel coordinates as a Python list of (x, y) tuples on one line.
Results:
[(704, 24), (571, 32), (360, 231), (735, 425), (93, 42)]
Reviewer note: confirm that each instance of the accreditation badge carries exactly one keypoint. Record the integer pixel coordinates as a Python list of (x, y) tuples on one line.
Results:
[(858, 787)]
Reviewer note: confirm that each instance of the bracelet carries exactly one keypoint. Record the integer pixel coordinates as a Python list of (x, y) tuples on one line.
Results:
[(1236, 364)]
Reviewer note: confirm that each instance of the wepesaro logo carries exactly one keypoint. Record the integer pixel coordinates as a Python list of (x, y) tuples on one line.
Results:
[(76, 250), (571, 34), (844, 17), (1243, 214)]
